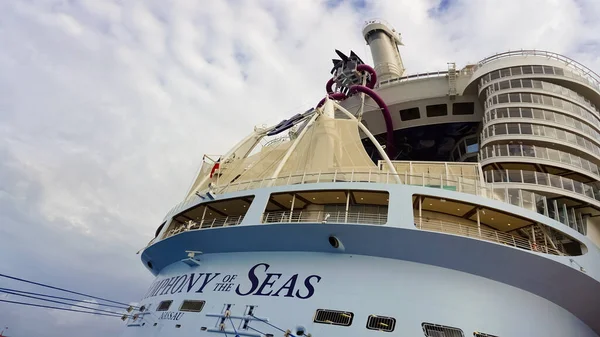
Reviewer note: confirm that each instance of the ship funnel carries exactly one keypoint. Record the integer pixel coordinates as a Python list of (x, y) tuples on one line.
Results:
[(384, 41)]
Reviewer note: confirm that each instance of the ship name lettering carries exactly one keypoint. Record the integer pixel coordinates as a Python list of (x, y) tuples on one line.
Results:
[(261, 283), (269, 284), (173, 316)]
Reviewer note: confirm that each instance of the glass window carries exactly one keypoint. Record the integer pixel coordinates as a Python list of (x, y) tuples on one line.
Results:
[(526, 112), (503, 98), (536, 99), (537, 84), (528, 151), (549, 132), (500, 129), (409, 114), (559, 71), (542, 178), (538, 70), (560, 134), (526, 129), (538, 130), (560, 118), (541, 152), (513, 195), (513, 129), (514, 112), (502, 150), (547, 100), (538, 114), (569, 121), (504, 85), (548, 115), (527, 84), (495, 75), (528, 177), (548, 70), (515, 97), (164, 305), (515, 83), (526, 98), (557, 102), (527, 70), (437, 110), (502, 113), (465, 108), (192, 306), (515, 150), (516, 70), (505, 72)]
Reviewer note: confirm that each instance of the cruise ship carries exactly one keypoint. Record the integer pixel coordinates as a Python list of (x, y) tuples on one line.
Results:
[(463, 202)]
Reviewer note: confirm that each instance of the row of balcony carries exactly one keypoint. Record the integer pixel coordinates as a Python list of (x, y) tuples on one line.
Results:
[(531, 151), (541, 132), (537, 86), (435, 225), (543, 179)]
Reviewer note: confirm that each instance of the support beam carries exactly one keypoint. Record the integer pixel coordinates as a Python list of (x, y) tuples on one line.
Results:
[(416, 203), (292, 148), (216, 210), (280, 205), (306, 202), (471, 212), (366, 131), (545, 232), (478, 221)]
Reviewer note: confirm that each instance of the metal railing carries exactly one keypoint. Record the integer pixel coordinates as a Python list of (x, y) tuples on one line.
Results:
[(539, 152), (432, 74), (543, 179), (588, 75), (446, 182), (203, 224), (486, 234), (302, 216)]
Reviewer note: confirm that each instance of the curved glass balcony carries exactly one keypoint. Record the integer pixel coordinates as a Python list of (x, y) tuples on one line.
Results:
[(541, 132), (544, 179), (544, 153)]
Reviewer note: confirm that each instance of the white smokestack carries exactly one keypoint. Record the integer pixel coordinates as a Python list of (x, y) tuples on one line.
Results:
[(384, 41)]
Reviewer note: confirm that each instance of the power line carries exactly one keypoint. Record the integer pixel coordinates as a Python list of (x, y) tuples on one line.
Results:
[(57, 297), (61, 289), (58, 308), (59, 302)]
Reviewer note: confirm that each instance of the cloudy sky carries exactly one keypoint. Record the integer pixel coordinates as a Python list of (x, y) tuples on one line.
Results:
[(107, 106)]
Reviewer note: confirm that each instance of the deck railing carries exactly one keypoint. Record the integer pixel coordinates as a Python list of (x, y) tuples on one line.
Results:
[(442, 226), (446, 182), (434, 225), (302, 216), (208, 223), (587, 75)]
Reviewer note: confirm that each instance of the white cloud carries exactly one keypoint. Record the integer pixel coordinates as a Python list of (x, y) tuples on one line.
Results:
[(106, 107)]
